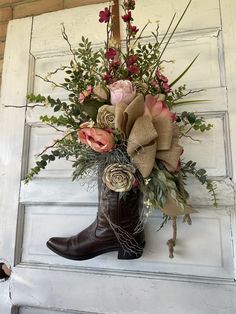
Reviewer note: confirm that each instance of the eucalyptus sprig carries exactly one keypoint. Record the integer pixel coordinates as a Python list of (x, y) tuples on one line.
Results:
[(190, 167), (188, 121)]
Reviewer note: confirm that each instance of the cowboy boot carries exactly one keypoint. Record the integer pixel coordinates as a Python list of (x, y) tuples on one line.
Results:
[(114, 229)]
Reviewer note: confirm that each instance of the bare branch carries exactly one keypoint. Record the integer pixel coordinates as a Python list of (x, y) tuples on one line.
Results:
[(55, 143), (50, 81), (52, 126), (65, 36)]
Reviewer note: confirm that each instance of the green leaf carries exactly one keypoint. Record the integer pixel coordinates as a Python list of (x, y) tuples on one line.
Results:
[(57, 108), (91, 108), (168, 28), (56, 153), (52, 158), (43, 163), (184, 72), (174, 30), (44, 157)]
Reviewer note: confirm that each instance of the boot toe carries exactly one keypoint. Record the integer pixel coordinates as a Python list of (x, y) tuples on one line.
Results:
[(56, 244)]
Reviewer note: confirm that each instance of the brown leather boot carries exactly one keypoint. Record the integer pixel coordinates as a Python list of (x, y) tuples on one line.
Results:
[(113, 229)]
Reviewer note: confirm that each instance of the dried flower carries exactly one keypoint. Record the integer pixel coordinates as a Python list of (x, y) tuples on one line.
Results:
[(106, 117), (118, 177)]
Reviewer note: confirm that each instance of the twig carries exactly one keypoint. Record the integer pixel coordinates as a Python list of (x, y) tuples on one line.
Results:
[(52, 82), (68, 42), (55, 143), (189, 136), (166, 61), (59, 69), (52, 126)]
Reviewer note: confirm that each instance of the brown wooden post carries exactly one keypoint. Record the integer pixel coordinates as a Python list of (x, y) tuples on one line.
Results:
[(116, 22)]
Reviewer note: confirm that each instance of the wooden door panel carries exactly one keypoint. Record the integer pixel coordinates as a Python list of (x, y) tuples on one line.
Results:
[(44, 221), (200, 278), (201, 15), (40, 196), (142, 294)]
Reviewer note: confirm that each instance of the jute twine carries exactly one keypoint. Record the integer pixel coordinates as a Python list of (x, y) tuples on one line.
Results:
[(172, 242)]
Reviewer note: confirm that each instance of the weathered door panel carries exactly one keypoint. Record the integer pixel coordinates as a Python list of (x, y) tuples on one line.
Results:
[(200, 277)]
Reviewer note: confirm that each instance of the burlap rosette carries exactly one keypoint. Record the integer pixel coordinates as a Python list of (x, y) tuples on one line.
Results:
[(150, 139)]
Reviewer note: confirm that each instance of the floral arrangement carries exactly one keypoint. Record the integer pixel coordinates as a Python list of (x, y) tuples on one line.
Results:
[(120, 119)]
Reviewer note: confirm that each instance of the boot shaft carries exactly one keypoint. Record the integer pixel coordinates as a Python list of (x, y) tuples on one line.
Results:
[(121, 210)]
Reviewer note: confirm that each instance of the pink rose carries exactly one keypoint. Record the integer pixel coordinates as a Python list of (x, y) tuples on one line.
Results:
[(156, 109), (98, 139), (122, 91)]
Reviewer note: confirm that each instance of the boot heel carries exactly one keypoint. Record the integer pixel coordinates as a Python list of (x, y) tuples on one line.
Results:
[(128, 255)]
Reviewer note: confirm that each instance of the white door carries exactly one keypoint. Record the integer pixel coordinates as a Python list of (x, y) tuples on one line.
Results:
[(200, 279)]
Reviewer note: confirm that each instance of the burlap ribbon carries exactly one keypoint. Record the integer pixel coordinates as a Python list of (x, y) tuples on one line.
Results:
[(150, 139), (147, 139)]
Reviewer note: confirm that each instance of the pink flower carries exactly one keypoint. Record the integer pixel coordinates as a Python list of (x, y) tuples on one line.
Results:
[(107, 78), (133, 29), (134, 68), (81, 98), (111, 53), (85, 93), (127, 17), (163, 81), (100, 140), (156, 109), (104, 16), (114, 64), (90, 89), (166, 87), (131, 59), (122, 91)]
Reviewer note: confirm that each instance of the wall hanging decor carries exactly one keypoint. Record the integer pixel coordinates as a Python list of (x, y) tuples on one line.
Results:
[(119, 125)]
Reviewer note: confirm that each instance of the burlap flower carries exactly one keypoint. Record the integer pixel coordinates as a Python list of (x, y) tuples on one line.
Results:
[(106, 117), (119, 178)]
